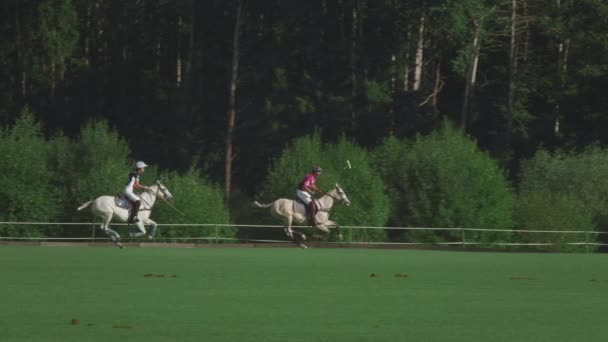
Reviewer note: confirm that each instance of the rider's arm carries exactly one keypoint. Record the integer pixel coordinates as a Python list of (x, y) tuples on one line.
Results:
[(136, 185), (312, 188)]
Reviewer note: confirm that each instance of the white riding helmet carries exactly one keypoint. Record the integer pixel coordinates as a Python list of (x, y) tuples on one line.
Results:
[(140, 164)]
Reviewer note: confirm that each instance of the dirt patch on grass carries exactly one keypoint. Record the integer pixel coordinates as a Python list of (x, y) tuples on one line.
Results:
[(152, 275)]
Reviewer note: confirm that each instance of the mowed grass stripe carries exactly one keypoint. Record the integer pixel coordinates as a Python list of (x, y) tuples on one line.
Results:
[(289, 294)]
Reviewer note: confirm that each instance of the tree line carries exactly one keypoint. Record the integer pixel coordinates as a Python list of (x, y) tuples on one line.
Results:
[(232, 82), (438, 180)]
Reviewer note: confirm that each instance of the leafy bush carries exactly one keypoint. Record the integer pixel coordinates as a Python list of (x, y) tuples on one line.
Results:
[(443, 180), (545, 210), (581, 175), (568, 180), (97, 164), (25, 191), (198, 200)]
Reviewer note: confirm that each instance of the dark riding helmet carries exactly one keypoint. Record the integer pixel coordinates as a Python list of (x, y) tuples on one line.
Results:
[(317, 168)]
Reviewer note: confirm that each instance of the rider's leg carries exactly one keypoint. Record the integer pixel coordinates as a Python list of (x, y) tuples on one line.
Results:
[(134, 210), (313, 212), (310, 204)]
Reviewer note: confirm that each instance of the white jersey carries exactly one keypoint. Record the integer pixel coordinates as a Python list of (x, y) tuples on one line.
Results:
[(133, 177)]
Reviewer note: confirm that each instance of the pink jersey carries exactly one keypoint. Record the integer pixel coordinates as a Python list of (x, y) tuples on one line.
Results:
[(308, 180)]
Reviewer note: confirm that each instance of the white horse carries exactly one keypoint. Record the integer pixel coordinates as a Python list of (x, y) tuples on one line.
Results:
[(290, 211), (107, 208)]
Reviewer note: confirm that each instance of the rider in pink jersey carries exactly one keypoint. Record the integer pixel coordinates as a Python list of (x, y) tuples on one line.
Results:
[(305, 190)]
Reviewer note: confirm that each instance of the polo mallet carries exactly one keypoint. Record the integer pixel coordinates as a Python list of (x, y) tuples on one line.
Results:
[(172, 206), (169, 203), (348, 165)]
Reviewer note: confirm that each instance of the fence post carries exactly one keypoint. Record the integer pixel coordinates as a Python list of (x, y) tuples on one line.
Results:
[(462, 232)]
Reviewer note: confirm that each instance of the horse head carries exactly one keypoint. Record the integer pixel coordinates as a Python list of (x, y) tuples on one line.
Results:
[(341, 195), (159, 190)]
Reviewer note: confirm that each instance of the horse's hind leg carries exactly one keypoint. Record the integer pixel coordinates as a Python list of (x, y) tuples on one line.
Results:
[(331, 225), (114, 236), (287, 229), (299, 237)]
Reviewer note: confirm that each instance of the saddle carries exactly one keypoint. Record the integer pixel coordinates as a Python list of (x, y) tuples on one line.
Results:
[(122, 202), (300, 207)]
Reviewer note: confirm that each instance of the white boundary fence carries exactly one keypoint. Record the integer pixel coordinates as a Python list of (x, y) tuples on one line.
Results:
[(94, 226)]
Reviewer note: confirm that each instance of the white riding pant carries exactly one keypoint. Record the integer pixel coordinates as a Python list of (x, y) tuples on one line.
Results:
[(304, 196), (130, 194)]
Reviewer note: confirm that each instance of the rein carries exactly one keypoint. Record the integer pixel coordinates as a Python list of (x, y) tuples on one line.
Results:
[(335, 198), (159, 189)]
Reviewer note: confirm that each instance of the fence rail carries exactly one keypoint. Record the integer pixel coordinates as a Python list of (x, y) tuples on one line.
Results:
[(587, 234)]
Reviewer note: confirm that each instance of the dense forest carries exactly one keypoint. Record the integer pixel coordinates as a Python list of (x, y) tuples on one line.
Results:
[(230, 83)]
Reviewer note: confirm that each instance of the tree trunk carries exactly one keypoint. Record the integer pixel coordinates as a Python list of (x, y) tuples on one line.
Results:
[(406, 69), (436, 88), (87, 38), (526, 32), (232, 101), (563, 47), (512, 75), (20, 81), (419, 56), (353, 67), (194, 58), (471, 76), (178, 62), (438, 85)]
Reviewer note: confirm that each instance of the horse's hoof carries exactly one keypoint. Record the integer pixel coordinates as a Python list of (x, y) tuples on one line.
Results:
[(149, 237), (303, 237), (303, 246)]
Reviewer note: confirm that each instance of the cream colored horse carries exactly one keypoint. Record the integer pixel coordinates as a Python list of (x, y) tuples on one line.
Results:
[(106, 208), (290, 212)]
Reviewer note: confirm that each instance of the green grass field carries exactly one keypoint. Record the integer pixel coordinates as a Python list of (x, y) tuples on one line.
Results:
[(290, 294)]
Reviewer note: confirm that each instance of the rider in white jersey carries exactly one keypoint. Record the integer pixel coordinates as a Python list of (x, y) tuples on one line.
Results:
[(132, 184)]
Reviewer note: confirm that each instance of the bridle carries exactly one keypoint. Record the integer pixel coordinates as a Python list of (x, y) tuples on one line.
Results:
[(340, 198), (159, 189)]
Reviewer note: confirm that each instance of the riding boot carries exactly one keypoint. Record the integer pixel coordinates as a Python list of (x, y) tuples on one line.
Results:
[(312, 212), (134, 209)]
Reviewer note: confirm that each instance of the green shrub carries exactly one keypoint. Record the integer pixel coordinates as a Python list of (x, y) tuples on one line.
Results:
[(198, 200), (569, 180), (578, 174), (545, 210), (25, 190), (443, 180)]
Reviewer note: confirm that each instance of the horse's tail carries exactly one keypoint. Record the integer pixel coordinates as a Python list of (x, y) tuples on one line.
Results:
[(260, 205), (84, 205)]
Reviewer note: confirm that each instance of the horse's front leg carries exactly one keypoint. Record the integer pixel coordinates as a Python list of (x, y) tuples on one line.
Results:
[(141, 230), (324, 229), (332, 224), (153, 229)]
